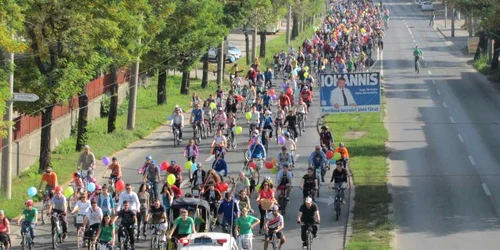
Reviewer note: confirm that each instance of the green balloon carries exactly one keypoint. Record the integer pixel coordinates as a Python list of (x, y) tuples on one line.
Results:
[(248, 115), (337, 156)]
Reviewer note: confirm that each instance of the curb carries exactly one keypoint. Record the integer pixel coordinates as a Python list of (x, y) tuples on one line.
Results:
[(350, 218)]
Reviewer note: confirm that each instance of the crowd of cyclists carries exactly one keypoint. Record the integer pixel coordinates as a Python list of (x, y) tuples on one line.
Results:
[(343, 43)]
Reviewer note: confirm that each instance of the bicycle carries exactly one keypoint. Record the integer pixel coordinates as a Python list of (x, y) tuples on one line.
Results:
[(309, 235), (45, 206), (105, 245), (245, 241), (177, 140), (265, 138), (124, 238), (80, 232), (156, 235), (338, 201), (301, 122), (26, 237), (275, 241), (282, 202), (197, 132), (111, 187), (208, 128), (56, 231), (317, 172), (231, 140)]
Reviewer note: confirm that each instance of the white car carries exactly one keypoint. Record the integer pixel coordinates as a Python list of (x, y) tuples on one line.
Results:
[(208, 241), (233, 54), (427, 5)]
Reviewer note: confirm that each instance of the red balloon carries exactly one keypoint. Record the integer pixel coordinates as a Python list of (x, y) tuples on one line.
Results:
[(120, 185), (329, 154), (269, 165), (222, 186), (289, 91), (272, 92), (240, 98), (252, 165), (164, 165)]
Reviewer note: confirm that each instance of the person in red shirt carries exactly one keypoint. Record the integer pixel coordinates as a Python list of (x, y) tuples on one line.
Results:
[(284, 101), (306, 95), (176, 170)]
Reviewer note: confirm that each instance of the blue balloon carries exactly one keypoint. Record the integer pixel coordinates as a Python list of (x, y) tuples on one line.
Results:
[(332, 162), (31, 191), (91, 187), (169, 118), (194, 167)]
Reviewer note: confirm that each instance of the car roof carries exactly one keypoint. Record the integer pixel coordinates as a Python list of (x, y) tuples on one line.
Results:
[(213, 235)]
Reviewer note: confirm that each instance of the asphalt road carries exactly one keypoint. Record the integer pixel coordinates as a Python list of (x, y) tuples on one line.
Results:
[(444, 138), (160, 145)]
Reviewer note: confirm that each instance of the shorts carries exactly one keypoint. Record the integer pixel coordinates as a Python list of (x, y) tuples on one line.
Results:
[(269, 235), (282, 187), (4, 239)]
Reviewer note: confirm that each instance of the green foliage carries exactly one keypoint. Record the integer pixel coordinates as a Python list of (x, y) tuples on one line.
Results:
[(486, 11)]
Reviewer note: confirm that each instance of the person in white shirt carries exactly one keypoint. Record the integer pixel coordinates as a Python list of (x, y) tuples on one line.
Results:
[(93, 219), (290, 145), (219, 144), (178, 122), (341, 96), (129, 196), (220, 119), (82, 206), (255, 120)]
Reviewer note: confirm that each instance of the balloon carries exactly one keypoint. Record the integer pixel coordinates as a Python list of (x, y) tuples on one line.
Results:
[(306, 74), (273, 171), (105, 160), (239, 98), (92, 180), (31, 191), (272, 91), (188, 165), (257, 188), (274, 97), (269, 165), (248, 115), (212, 105), (222, 186), (194, 167), (283, 85), (68, 191), (252, 165), (337, 156), (169, 118), (329, 154), (165, 165), (281, 140), (238, 130), (274, 161), (120, 185), (91, 187), (332, 162), (171, 179)]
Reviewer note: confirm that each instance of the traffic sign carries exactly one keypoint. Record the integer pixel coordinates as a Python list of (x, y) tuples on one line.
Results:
[(25, 97)]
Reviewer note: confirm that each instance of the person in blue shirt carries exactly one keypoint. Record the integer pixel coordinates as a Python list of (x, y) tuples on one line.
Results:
[(256, 150), (197, 115), (220, 165), (229, 211), (267, 123), (268, 76), (317, 160), (267, 100)]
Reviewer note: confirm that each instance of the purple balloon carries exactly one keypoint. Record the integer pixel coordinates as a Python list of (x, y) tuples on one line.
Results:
[(274, 97), (106, 160), (281, 140), (283, 85)]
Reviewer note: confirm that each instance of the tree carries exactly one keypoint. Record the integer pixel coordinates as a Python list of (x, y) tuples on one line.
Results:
[(61, 36)]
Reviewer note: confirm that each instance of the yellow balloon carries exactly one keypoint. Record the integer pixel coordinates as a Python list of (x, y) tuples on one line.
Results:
[(257, 188), (248, 115), (273, 171), (171, 179), (188, 165), (68, 191), (238, 130), (212, 105)]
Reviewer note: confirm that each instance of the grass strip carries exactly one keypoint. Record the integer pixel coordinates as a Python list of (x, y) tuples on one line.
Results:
[(365, 139), (149, 116), (483, 65)]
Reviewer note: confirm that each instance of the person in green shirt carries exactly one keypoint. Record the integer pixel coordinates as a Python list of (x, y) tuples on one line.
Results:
[(418, 54), (184, 223), (30, 215), (106, 233), (197, 218), (244, 225)]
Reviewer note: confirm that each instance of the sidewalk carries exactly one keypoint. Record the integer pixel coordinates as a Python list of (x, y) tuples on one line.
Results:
[(444, 27)]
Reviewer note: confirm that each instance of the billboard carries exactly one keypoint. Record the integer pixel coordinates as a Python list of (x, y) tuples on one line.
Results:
[(350, 92)]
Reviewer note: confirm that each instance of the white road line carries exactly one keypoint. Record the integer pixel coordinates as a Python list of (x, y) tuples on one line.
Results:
[(409, 31), (460, 138), (451, 119), (439, 92), (430, 73), (486, 189), (433, 82), (471, 159), (444, 105), (210, 158), (414, 41), (382, 63)]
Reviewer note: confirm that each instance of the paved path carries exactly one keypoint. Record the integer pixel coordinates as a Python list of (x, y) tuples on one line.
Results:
[(443, 138)]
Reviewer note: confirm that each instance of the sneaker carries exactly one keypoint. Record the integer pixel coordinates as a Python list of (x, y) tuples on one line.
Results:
[(180, 140), (303, 130), (65, 236), (315, 236), (304, 244)]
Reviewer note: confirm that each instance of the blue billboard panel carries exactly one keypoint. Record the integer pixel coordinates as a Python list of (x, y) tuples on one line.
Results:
[(350, 92)]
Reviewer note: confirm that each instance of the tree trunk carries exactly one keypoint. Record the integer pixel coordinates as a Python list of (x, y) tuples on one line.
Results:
[(247, 46), (113, 106), (482, 47), (162, 87), (185, 83), (82, 136), (262, 52), (494, 60), (295, 28), (204, 77), (45, 139)]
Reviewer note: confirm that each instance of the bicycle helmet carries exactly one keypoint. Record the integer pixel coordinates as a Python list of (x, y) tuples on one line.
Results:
[(98, 187), (57, 188), (29, 203), (341, 144), (149, 157), (267, 178), (268, 112), (77, 175), (324, 127), (274, 208)]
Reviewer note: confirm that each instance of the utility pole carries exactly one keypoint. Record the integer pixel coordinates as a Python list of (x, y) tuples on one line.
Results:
[(288, 21), (254, 44), (7, 142), (453, 22), (220, 64), (445, 13), (134, 82)]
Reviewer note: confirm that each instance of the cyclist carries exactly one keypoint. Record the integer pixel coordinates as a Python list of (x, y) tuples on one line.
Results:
[(145, 202), (308, 216), (339, 179), (131, 198), (116, 170), (30, 215), (255, 119), (309, 184), (291, 120), (176, 170), (220, 119), (178, 123), (152, 175), (184, 223), (197, 117), (219, 144), (220, 96), (231, 123), (191, 151), (302, 110), (59, 207), (93, 218), (212, 196), (195, 100), (268, 76), (266, 193), (208, 113), (229, 211), (5, 231), (198, 176), (232, 102), (290, 146), (418, 54), (158, 215), (256, 150), (317, 159), (343, 153), (284, 181), (267, 123), (220, 166), (306, 95), (274, 225), (266, 98), (78, 185), (284, 158), (106, 232), (105, 201), (86, 162), (50, 178), (250, 173), (278, 121), (149, 161), (241, 183), (284, 101), (128, 221), (326, 138), (244, 225)]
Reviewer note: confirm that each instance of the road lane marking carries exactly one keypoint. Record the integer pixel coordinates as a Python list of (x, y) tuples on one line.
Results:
[(210, 158), (439, 92), (433, 82), (452, 120), (486, 190), (430, 73), (409, 31), (471, 159), (415, 42), (460, 138), (444, 105)]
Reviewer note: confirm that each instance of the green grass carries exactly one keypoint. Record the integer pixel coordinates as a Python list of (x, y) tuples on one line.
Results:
[(483, 65), (149, 116), (371, 226)]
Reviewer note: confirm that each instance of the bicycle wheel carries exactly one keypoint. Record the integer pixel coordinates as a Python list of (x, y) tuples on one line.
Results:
[(45, 207), (79, 238), (309, 239), (54, 238), (246, 155), (175, 137), (23, 241), (197, 135), (337, 210)]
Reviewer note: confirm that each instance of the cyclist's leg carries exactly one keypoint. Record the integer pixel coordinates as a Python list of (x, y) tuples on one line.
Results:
[(130, 232), (315, 228)]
